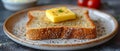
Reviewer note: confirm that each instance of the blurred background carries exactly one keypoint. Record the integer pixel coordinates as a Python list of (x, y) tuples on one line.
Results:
[(110, 6)]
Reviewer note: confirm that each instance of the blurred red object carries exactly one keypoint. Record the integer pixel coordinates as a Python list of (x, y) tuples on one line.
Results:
[(82, 2), (90, 3)]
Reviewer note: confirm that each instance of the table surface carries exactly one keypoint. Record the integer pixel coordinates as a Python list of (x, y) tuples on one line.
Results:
[(6, 44)]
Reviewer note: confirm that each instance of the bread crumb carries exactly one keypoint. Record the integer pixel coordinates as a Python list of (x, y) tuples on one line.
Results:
[(0, 44)]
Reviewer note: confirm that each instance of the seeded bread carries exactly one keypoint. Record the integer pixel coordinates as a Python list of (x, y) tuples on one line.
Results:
[(39, 27)]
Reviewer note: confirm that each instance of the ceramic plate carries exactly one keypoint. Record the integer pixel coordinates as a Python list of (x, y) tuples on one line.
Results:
[(14, 28)]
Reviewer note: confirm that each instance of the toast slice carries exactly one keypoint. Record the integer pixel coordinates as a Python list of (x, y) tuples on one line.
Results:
[(39, 27)]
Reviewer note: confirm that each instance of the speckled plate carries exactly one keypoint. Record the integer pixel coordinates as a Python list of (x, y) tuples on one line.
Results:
[(14, 28)]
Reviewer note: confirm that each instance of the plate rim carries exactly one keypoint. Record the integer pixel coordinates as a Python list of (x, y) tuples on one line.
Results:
[(65, 45)]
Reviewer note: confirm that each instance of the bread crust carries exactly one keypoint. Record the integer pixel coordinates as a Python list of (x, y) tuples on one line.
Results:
[(64, 32), (61, 32)]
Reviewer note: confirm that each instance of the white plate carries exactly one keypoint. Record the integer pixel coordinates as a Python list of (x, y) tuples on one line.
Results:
[(14, 27)]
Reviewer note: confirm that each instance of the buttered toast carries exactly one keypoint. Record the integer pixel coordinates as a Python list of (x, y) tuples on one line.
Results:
[(39, 27)]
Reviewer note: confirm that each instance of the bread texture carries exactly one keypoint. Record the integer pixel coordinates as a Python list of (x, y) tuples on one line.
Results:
[(39, 27)]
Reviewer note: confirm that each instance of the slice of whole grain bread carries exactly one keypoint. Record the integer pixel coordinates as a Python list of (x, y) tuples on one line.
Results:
[(39, 27)]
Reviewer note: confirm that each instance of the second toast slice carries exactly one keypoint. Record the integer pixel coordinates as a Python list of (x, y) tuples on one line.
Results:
[(39, 27)]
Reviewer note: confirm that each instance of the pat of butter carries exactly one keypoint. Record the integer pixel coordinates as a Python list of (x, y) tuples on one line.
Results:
[(60, 14)]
